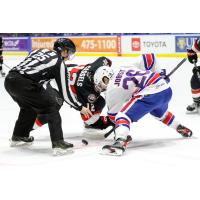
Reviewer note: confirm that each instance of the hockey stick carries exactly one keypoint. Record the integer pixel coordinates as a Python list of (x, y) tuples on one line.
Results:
[(175, 68)]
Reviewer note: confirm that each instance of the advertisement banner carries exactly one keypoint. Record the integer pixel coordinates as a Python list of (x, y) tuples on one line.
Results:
[(46, 43), (136, 44), (16, 44), (157, 44), (96, 44), (83, 44), (184, 42)]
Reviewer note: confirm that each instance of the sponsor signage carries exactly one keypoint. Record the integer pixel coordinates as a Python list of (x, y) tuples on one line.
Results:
[(16, 44), (148, 44), (136, 44), (184, 42), (83, 44)]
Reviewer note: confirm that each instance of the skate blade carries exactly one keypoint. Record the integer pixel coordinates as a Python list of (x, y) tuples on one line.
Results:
[(186, 135), (20, 144), (60, 152), (112, 152)]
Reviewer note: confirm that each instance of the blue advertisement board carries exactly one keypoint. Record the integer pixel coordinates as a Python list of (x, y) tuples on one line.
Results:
[(183, 42)]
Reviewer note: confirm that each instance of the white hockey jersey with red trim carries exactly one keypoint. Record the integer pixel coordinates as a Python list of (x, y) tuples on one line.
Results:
[(135, 80)]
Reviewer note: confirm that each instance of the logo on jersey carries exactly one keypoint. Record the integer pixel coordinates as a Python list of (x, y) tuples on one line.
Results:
[(136, 44), (92, 98)]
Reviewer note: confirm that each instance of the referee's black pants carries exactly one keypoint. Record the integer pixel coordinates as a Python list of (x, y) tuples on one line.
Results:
[(33, 99)]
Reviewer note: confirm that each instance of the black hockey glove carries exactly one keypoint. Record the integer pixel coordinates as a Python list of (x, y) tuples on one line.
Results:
[(192, 56), (196, 70), (163, 73)]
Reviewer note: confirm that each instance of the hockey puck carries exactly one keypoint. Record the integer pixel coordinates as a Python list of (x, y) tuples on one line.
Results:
[(85, 142)]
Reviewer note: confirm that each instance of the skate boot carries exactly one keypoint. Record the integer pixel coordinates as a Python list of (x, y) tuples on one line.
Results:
[(21, 141), (61, 147), (118, 148), (185, 132), (193, 108), (3, 74)]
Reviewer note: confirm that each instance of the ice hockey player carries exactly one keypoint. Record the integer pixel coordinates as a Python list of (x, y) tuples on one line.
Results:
[(1, 58), (82, 84), (195, 79), (24, 84), (131, 94)]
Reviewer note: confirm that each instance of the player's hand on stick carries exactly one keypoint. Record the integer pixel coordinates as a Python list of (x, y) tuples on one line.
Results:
[(192, 56), (86, 111)]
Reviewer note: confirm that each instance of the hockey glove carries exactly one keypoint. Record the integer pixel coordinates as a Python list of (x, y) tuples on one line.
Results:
[(196, 70), (163, 73), (192, 56)]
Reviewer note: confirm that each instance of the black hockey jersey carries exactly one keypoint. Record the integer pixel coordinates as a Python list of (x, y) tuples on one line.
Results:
[(43, 65), (82, 83)]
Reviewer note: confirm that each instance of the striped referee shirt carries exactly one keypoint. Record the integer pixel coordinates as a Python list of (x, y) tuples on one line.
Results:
[(43, 65)]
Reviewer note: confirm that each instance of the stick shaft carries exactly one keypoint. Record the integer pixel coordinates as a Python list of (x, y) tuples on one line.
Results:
[(175, 68)]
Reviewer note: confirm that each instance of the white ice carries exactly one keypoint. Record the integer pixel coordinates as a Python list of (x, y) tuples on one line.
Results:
[(159, 165)]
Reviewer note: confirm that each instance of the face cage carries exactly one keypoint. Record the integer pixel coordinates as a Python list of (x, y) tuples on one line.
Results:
[(100, 87)]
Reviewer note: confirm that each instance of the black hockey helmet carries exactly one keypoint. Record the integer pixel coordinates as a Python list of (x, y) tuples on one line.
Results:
[(64, 44)]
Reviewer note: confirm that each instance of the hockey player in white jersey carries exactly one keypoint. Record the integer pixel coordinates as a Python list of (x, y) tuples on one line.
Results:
[(131, 94)]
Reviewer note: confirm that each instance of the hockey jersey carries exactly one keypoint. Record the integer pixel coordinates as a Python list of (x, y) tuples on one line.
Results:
[(81, 80), (196, 45), (43, 65), (141, 78)]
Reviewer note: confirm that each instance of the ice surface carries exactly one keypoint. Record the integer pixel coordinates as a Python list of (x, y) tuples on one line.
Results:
[(159, 165)]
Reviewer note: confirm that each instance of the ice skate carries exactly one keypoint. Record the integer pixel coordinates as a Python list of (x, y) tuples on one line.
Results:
[(193, 108), (118, 148), (3, 74), (21, 141), (61, 147), (185, 132)]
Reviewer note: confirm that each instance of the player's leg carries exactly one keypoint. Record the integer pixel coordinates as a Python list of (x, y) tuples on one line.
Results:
[(35, 96), (23, 126), (162, 114), (195, 89), (47, 106), (26, 115), (54, 94), (1, 65), (133, 110)]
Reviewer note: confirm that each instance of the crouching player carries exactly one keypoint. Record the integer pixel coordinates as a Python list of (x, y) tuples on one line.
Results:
[(83, 85), (133, 93)]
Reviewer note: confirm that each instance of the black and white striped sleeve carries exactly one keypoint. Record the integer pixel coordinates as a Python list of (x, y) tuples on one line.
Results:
[(68, 95)]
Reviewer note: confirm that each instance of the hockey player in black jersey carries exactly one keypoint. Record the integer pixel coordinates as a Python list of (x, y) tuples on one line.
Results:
[(82, 85), (24, 84), (195, 79), (1, 58)]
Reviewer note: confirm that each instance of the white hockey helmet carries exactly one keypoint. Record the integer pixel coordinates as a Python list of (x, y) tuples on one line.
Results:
[(102, 77)]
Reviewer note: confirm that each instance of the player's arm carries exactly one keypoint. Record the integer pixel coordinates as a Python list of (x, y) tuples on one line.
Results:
[(192, 53), (69, 97)]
